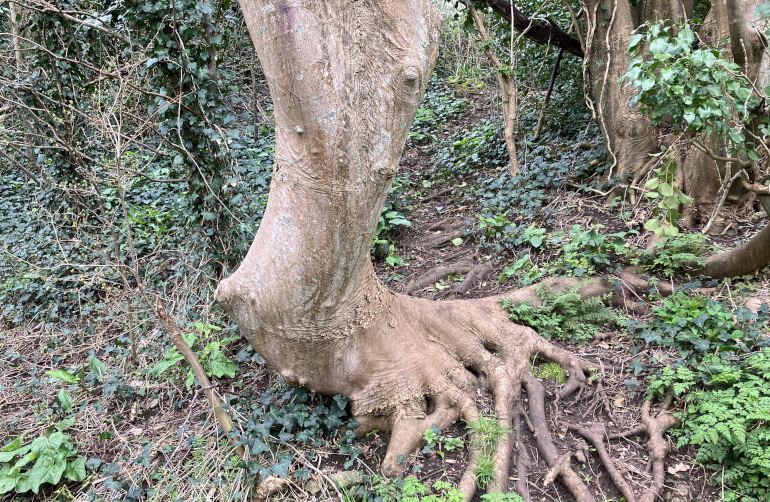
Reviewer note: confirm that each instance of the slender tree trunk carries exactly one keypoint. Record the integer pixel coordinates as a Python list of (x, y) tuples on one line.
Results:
[(14, 13)]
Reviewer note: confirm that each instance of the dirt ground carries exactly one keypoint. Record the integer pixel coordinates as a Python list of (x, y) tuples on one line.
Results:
[(147, 425)]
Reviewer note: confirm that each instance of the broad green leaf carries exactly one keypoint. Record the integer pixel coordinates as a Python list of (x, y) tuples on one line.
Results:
[(457, 242), (684, 199), (665, 189), (14, 445), (8, 479), (190, 380), (658, 46), (170, 359), (65, 424), (6, 456), (76, 469), (635, 40), (536, 241), (669, 202), (65, 400), (56, 439), (671, 231), (190, 338), (62, 375), (394, 260), (221, 365), (208, 349), (652, 183), (651, 225), (401, 221), (752, 155), (98, 367), (48, 468)]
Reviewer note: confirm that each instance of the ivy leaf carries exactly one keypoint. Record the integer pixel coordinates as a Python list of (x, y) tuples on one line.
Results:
[(221, 365)]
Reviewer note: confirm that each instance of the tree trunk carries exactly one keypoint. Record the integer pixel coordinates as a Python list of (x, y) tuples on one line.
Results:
[(14, 12), (346, 80), (628, 135), (701, 174)]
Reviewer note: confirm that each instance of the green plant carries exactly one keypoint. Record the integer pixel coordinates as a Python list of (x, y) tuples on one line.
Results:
[(46, 460), (502, 497), (704, 331), (588, 252), (689, 85), (563, 314), (526, 272), (485, 434), (549, 370), (214, 361), (410, 489), (680, 253), (721, 377), (436, 443), (662, 187), (391, 219)]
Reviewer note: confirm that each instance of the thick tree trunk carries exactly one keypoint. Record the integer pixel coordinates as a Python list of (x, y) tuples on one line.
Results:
[(346, 80), (629, 137), (702, 175)]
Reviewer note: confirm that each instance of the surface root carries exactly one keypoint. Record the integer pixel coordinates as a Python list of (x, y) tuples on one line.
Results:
[(657, 446)]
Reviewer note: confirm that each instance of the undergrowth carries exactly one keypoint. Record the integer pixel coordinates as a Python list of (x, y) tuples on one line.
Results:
[(720, 377), (563, 315)]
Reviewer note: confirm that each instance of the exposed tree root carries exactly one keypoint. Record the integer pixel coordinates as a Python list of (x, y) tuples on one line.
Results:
[(449, 230), (477, 273), (596, 434), (439, 273), (657, 446)]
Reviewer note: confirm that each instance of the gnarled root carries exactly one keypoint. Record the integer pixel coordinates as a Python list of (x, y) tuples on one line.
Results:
[(658, 447), (491, 351), (438, 274), (596, 434)]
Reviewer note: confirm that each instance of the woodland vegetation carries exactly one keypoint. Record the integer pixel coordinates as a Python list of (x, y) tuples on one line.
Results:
[(384, 250)]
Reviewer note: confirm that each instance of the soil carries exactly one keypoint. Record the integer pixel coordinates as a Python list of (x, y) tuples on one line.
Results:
[(107, 431)]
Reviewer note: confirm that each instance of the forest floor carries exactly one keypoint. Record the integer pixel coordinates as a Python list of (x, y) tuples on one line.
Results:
[(148, 438)]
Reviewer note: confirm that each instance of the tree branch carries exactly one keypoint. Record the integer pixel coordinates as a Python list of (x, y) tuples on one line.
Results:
[(542, 31)]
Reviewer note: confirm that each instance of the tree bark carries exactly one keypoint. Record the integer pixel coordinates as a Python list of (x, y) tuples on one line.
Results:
[(628, 135), (543, 31), (346, 80)]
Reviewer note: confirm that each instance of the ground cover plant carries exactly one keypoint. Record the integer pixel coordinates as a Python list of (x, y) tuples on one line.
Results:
[(493, 362)]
